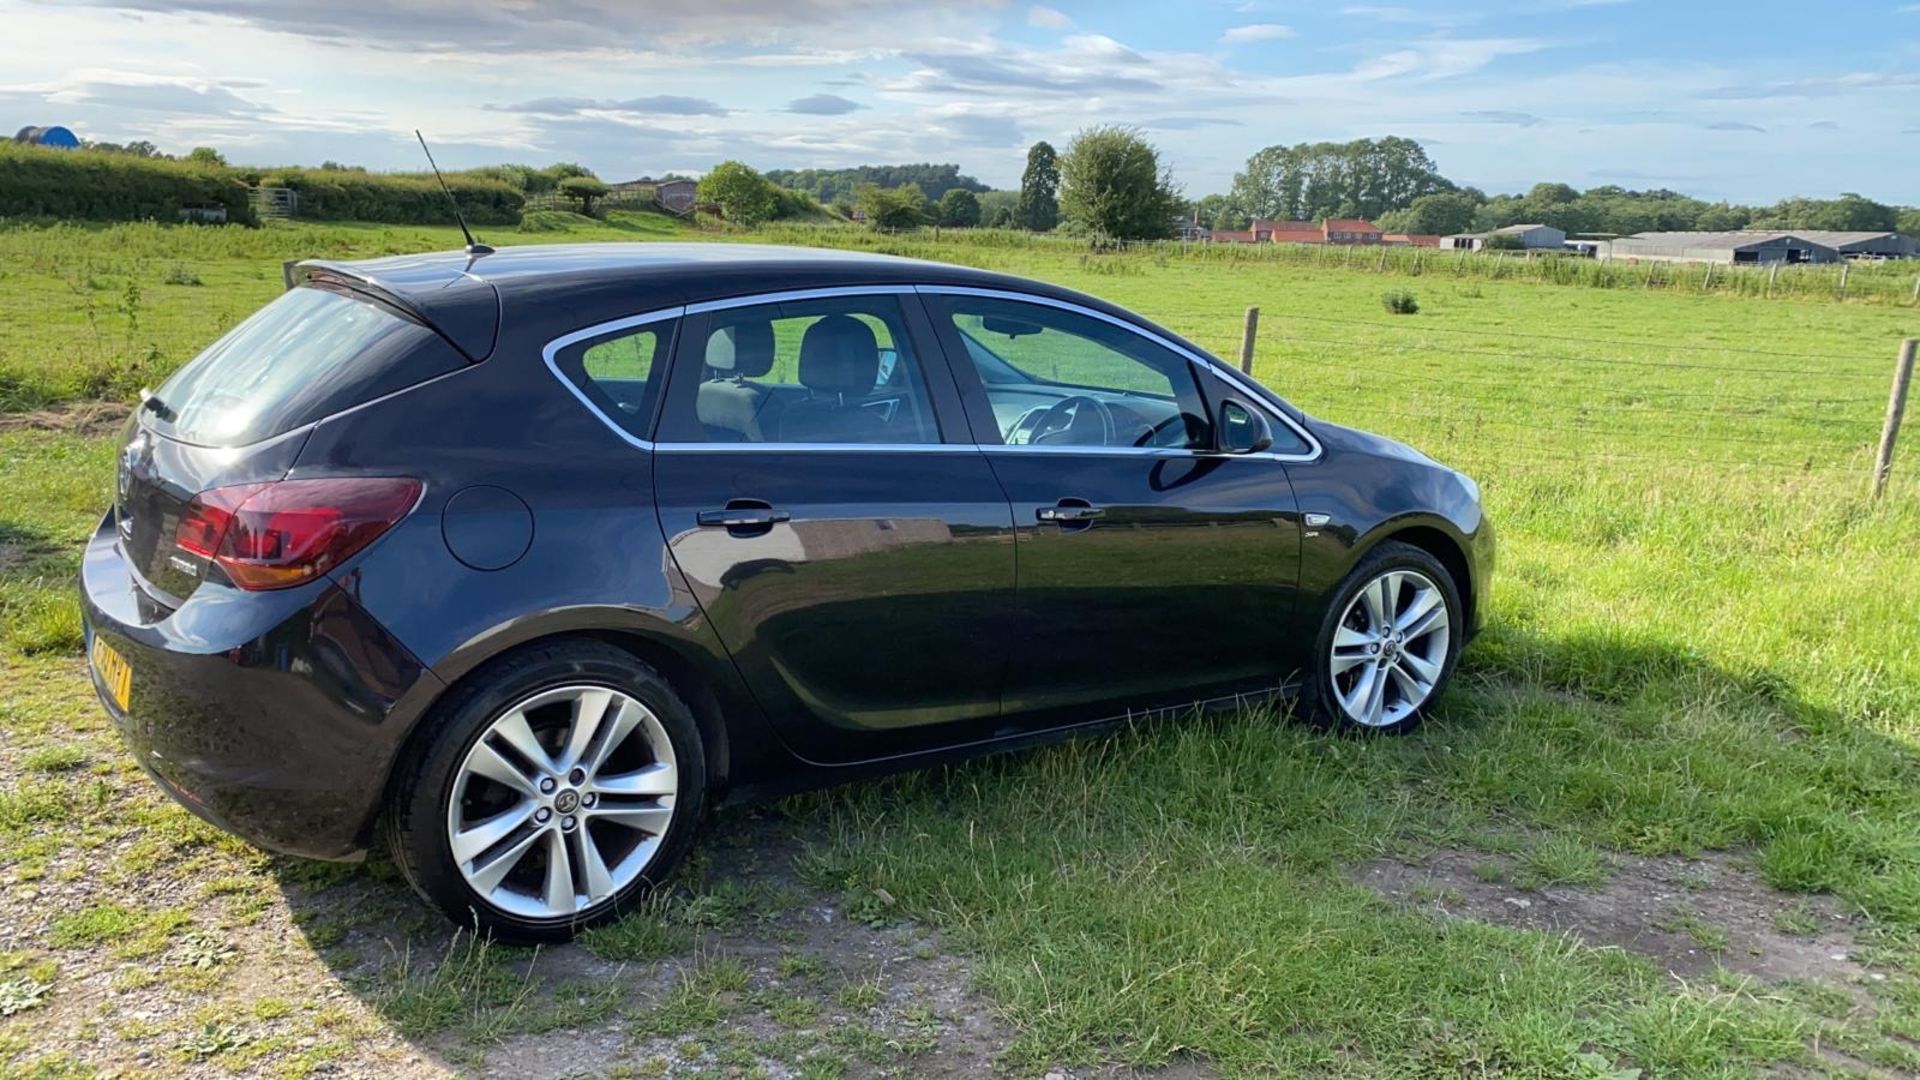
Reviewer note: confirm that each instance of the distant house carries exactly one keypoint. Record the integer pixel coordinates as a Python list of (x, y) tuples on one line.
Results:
[(1270, 231), (1350, 231), (1738, 247), (1192, 230), (1411, 240), (1530, 237), (1235, 236)]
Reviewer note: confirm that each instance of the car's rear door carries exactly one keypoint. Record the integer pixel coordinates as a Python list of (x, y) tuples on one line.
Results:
[(1152, 569), (819, 492)]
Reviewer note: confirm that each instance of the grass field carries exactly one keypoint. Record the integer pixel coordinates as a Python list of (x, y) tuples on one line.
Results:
[(1696, 706)]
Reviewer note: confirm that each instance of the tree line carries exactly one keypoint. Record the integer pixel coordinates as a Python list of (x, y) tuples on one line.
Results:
[(1110, 182)]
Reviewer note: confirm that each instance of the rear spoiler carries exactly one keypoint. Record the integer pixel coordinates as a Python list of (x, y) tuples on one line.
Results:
[(463, 309)]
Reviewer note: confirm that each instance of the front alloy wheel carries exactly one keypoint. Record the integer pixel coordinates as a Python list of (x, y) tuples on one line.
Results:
[(1388, 641), (1390, 648), (562, 802)]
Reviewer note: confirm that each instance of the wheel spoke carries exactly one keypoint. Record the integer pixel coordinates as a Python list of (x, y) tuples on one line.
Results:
[(514, 730), (472, 842), (488, 762), (560, 896), (1420, 668), (589, 717), (1378, 597), (1434, 619), (485, 879), (1413, 690), (647, 819), (593, 868), (656, 779), (1424, 601), (625, 717), (1376, 699)]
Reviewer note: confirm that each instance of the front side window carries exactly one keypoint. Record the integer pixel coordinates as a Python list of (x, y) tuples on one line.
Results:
[(619, 373), (1056, 377), (840, 370)]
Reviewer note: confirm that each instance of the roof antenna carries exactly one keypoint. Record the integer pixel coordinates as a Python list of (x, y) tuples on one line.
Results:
[(474, 247)]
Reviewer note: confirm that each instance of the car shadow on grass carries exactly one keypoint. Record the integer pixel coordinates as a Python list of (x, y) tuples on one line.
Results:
[(1564, 762)]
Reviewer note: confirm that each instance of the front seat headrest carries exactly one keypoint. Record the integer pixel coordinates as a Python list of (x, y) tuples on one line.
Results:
[(744, 349), (839, 355)]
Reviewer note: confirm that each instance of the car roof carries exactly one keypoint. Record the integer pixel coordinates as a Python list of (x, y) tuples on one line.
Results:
[(466, 297)]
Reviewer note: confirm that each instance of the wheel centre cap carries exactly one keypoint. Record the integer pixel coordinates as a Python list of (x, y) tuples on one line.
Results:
[(567, 801)]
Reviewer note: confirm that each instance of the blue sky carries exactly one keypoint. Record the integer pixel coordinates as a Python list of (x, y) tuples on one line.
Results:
[(1748, 101)]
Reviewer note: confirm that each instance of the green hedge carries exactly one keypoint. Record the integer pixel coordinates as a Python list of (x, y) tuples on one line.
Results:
[(37, 181), (394, 198)]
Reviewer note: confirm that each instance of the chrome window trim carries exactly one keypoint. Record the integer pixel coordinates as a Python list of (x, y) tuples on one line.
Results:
[(1221, 371), (829, 448), (794, 295), (552, 349)]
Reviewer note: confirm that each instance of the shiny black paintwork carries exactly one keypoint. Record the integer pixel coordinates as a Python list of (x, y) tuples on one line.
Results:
[(930, 615)]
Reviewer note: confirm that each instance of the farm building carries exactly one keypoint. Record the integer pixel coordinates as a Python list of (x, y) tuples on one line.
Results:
[(1531, 238), (1746, 246), (1864, 245), (56, 136), (1395, 239), (674, 195)]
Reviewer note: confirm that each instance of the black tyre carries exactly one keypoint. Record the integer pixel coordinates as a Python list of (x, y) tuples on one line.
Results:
[(548, 792), (1387, 644)]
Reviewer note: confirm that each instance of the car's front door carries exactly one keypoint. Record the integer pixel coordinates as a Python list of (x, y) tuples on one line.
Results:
[(849, 543), (1153, 570)]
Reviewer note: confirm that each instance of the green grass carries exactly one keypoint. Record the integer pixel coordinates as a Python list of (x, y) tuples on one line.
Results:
[(1702, 636)]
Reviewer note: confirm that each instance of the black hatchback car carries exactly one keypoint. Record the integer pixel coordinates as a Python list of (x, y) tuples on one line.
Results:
[(527, 559)]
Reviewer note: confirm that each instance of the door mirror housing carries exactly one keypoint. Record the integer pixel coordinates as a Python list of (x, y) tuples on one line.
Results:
[(1243, 429)]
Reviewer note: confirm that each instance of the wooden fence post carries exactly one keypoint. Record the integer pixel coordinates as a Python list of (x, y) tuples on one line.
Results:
[(1246, 340), (1896, 405), (1771, 274), (1916, 290), (1844, 267)]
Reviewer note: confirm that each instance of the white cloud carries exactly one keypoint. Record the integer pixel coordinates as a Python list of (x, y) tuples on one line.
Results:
[(1241, 35), (1047, 18)]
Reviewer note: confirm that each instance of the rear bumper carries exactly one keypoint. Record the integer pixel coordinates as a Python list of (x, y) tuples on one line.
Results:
[(275, 716)]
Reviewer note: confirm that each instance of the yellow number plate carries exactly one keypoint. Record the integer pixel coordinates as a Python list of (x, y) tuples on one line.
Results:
[(114, 673)]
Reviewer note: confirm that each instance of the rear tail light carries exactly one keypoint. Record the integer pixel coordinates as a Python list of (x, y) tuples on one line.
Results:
[(279, 534)]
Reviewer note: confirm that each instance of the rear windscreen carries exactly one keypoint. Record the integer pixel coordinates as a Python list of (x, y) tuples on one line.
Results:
[(304, 357)]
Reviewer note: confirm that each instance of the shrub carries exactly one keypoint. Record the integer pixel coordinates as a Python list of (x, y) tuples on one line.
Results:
[(1400, 302), (397, 198), (93, 185), (744, 196)]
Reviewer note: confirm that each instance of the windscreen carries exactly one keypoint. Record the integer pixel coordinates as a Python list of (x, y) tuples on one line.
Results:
[(307, 355)]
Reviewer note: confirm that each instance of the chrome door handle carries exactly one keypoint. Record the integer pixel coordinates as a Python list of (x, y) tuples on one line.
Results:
[(743, 517), (1069, 514)]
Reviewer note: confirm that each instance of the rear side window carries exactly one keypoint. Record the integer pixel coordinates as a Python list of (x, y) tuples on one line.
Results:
[(302, 358), (620, 373)]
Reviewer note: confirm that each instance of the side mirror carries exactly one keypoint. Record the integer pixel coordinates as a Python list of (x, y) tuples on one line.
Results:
[(1243, 430)]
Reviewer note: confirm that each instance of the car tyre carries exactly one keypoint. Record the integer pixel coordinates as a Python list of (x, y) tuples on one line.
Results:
[(1381, 675), (466, 777)]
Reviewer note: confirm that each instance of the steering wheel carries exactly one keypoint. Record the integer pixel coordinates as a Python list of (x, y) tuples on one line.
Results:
[(1152, 435), (1064, 417)]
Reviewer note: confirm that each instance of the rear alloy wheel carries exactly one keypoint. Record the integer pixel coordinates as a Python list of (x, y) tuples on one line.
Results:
[(551, 789), (562, 802), (1391, 643)]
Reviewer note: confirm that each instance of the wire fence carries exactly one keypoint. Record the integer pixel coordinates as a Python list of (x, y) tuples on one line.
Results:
[(1892, 281), (1747, 413)]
